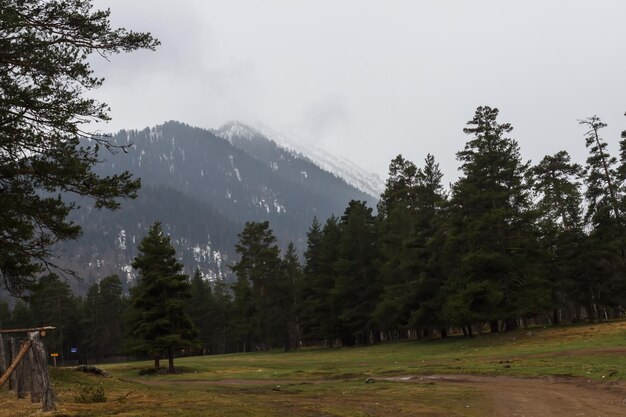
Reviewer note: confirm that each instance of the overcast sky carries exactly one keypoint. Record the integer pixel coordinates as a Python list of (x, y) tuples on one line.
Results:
[(371, 79)]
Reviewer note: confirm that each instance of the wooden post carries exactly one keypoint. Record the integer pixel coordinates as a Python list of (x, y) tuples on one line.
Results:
[(40, 366), (28, 374), (13, 376), (20, 378), (31, 329), (15, 362), (3, 359), (35, 380)]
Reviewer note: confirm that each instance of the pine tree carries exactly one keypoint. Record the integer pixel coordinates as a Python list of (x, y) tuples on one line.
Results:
[(495, 275), (21, 316), (223, 314), (201, 309), (606, 249), (428, 237), (311, 292), (397, 212), (259, 272), (52, 303), (600, 174), (559, 204), (292, 282), (357, 287), (161, 325), (45, 74), (103, 318), (317, 314)]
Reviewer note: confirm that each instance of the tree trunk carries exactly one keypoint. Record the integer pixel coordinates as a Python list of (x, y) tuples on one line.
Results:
[(157, 362), (13, 377), (494, 326), (20, 379), (444, 333), (40, 366), (170, 360), (555, 317), (35, 379), (511, 324)]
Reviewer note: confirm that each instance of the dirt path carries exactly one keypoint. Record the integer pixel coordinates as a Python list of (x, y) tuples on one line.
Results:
[(511, 397), (550, 397), (200, 381)]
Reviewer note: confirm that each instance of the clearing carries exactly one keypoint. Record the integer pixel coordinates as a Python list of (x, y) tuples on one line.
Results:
[(577, 370)]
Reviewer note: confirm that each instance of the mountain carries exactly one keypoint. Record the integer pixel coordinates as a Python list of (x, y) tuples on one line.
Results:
[(203, 186), (343, 168)]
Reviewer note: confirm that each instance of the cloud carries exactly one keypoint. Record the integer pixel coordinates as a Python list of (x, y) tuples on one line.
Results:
[(325, 115)]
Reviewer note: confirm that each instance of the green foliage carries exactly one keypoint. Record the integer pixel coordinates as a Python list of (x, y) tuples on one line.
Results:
[(493, 224), (357, 287), (102, 322), (263, 292), (160, 324), (317, 316), (44, 75), (53, 304), (90, 394)]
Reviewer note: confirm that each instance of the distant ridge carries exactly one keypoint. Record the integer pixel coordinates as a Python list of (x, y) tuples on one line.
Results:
[(354, 175), (203, 186)]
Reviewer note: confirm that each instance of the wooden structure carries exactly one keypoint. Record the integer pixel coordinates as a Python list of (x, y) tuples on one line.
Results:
[(26, 368)]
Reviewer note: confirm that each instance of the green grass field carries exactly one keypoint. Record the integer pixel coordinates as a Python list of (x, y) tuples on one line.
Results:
[(331, 382)]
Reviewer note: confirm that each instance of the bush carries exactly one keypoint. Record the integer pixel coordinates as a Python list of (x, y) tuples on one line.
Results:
[(90, 370), (91, 394), (150, 371)]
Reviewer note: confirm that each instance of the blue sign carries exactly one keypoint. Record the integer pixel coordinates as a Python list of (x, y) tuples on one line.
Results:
[(73, 350)]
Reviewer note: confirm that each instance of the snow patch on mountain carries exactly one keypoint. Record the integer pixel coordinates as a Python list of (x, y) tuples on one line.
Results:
[(340, 166)]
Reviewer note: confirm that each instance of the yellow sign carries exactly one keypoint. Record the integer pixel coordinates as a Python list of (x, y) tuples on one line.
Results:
[(54, 355)]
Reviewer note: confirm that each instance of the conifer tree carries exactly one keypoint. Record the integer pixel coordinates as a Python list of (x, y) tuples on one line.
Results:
[(161, 325), (311, 291), (104, 307), (317, 314), (45, 74), (201, 309), (259, 272), (600, 175), (556, 186), (52, 303), (495, 276), (357, 287), (292, 271), (428, 237), (397, 212), (606, 249)]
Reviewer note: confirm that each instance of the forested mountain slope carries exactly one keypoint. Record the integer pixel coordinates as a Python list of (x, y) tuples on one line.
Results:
[(203, 187)]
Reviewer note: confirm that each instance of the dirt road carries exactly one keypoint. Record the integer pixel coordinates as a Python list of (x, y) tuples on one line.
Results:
[(546, 397), (508, 396)]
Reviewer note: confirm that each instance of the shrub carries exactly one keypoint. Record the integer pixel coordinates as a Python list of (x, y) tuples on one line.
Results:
[(91, 394)]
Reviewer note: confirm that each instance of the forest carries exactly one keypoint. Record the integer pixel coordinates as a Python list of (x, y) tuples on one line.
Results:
[(510, 244)]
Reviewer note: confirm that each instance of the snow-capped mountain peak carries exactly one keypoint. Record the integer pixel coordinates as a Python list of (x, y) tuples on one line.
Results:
[(341, 167), (235, 129)]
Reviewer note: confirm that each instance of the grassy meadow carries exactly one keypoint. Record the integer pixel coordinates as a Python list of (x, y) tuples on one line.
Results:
[(331, 382)]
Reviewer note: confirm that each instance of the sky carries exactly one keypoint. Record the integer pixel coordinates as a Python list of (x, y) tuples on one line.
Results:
[(372, 79)]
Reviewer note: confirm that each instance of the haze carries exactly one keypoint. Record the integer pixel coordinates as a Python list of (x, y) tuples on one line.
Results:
[(371, 79)]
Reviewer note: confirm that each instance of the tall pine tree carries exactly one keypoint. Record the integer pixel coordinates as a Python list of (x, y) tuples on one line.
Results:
[(495, 278), (357, 286), (160, 324)]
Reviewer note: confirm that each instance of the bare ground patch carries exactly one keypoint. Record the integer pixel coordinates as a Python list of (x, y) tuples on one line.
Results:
[(540, 397)]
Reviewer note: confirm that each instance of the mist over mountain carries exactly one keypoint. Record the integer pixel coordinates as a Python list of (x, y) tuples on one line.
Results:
[(203, 186)]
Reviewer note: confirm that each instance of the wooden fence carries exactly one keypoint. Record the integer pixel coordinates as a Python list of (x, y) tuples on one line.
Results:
[(24, 364)]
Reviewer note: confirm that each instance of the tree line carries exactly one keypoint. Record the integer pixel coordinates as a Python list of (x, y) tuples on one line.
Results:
[(508, 244)]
